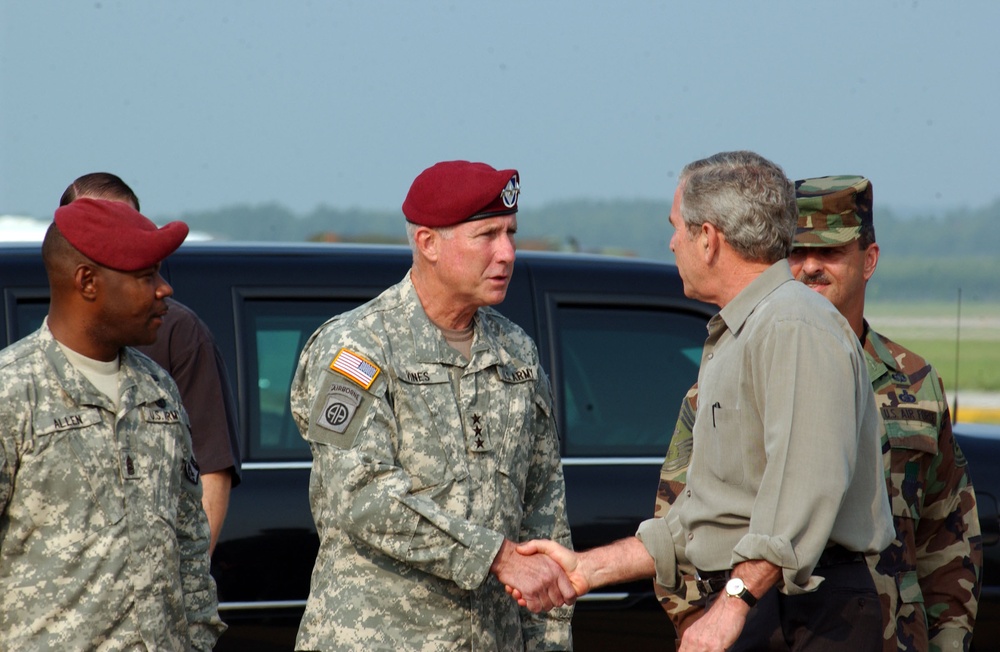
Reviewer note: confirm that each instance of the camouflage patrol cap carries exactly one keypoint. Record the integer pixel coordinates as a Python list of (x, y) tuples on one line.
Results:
[(832, 210)]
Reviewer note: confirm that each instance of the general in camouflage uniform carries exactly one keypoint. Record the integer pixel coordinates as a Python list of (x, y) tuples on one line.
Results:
[(428, 457), (930, 576), (103, 541)]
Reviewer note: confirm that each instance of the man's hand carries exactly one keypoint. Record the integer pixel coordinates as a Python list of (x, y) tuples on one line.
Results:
[(718, 629), (722, 624), (624, 560), (540, 583), (566, 558)]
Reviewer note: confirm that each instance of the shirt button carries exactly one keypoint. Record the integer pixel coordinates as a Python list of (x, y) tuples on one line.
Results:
[(688, 493), (690, 536), (710, 355)]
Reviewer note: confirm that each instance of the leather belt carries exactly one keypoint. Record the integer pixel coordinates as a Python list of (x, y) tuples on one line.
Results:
[(836, 554), (711, 582)]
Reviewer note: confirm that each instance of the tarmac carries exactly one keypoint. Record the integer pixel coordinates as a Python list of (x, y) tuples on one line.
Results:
[(976, 407)]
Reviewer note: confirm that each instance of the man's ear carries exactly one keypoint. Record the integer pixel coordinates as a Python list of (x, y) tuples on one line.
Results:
[(85, 281), (709, 242), (427, 242), (871, 261)]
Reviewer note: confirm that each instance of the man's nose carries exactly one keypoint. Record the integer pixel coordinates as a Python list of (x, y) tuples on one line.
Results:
[(163, 289)]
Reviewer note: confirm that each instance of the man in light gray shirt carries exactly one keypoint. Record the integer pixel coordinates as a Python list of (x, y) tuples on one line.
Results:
[(786, 487)]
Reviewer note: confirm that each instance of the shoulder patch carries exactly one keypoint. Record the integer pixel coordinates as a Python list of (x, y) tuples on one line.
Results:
[(341, 403), (356, 367), (191, 470)]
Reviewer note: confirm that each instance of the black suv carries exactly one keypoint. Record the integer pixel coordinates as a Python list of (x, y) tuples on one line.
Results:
[(618, 338)]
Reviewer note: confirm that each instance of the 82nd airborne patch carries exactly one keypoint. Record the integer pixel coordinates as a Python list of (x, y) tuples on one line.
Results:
[(342, 402)]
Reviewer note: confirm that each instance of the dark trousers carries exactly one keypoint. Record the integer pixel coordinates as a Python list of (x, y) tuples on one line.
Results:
[(842, 615)]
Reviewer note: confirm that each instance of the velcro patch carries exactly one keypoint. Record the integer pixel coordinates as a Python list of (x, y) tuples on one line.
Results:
[(129, 467), (48, 424), (358, 368), (900, 413), (342, 403), (517, 375), (191, 470), (156, 415)]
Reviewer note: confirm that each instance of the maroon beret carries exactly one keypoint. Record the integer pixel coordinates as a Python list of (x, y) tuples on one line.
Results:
[(459, 191), (115, 235)]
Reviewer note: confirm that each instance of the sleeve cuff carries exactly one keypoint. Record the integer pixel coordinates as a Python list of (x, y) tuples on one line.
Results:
[(778, 551), (655, 536), (951, 639), (473, 566)]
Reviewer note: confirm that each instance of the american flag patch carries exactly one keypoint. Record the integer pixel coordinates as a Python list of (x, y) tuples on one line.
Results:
[(358, 369)]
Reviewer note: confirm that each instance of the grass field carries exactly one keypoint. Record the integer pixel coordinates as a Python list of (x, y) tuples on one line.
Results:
[(934, 331)]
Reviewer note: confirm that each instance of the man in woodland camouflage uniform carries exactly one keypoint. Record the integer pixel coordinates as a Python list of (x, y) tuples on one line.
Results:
[(434, 445), (935, 561), (103, 541)]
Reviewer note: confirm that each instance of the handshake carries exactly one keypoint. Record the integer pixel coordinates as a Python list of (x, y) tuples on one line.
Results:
[(541, 575)]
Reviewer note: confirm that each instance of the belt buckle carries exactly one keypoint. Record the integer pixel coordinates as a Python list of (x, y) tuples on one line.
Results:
[(705, 585)]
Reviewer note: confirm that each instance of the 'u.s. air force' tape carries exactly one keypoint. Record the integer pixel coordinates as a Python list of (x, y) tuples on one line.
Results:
[(342, 402)]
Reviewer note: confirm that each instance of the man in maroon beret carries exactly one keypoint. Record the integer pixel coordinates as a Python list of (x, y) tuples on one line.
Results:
[(104, 541), (434, 444), (186, 348)]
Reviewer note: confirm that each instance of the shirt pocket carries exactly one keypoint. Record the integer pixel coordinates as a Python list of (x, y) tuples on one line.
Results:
[(430, 429), (724, 446), (514, 413), (165, 458), (70, 479), (912, 447)]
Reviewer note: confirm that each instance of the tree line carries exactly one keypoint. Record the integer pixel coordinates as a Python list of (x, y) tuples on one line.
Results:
[(926, 257)]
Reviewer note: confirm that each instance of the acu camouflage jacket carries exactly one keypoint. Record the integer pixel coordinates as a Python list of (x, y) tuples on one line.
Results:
[(423, 462), (103, 540)]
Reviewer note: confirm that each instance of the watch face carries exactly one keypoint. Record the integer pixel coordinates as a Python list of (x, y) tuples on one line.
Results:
[(735, 588)]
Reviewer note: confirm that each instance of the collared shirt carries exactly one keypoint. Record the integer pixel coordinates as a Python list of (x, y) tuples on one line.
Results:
[(930, 576), (423, 461), (786, 455), (103, 543)]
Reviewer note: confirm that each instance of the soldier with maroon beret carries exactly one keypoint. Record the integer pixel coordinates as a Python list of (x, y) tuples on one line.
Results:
[(186, 348), (434, 444), (103, 541)]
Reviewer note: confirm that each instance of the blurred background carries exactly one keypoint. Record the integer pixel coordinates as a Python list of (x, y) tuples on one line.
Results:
[(307, 120)]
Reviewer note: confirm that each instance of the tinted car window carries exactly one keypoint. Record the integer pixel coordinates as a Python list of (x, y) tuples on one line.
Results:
[(624, 372), (28, 312), (275, 333)]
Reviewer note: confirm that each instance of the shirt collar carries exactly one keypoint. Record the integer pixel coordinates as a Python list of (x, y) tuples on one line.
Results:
[(737, 311), (878, 355)]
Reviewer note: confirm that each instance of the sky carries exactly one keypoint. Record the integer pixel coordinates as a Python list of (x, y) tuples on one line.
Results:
[(202, 105)]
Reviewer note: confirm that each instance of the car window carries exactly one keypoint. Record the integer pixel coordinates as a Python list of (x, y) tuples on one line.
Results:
[(29, 312), (275, 333), (624, 371)]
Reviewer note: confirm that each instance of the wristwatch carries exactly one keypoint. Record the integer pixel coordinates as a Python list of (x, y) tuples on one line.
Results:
[(735, 588)]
